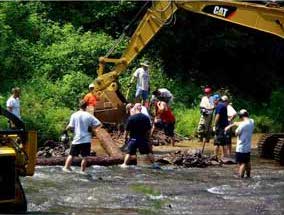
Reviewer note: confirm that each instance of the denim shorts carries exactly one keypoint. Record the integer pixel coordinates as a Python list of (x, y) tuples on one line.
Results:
[(142, 93)]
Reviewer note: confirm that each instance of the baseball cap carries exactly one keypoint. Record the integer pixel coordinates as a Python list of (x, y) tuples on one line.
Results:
[(207, 90), (216, 97), (224, 98), (91, 85), (243, 112)]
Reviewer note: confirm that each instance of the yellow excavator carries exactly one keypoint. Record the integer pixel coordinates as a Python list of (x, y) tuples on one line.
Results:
[(18, 149), (265, 16)]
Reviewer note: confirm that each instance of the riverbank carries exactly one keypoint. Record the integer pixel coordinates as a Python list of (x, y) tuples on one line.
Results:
[(185, 145)]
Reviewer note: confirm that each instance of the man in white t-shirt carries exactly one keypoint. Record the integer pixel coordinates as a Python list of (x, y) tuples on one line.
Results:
[(142, 83), (244, 133), (13, 103), (83, 124), (232, 113)]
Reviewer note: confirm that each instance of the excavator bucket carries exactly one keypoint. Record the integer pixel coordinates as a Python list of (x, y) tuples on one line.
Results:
[(110, 109)]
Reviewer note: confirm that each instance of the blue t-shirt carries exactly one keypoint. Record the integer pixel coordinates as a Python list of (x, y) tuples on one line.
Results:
[(221, 109)]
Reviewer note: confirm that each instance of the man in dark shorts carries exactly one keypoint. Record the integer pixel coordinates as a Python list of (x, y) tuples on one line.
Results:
[(138, 128), (82, 123), (220, 123)]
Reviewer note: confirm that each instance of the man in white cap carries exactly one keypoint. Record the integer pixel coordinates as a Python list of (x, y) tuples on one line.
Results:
[(143, 83), (244, 133), (91, 99)]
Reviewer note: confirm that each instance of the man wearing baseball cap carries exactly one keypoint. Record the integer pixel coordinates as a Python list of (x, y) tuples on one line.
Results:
[(206, 112), (220, 122), (244, 133), (91, 99), (231, 113)]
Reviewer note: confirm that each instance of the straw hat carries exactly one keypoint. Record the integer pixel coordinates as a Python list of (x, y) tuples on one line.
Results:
[(145, 63)]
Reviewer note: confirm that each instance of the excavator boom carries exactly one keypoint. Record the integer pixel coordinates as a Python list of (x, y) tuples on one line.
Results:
[(267, 18)]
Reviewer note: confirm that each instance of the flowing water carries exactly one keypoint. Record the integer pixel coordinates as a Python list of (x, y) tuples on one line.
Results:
[(171, 190)]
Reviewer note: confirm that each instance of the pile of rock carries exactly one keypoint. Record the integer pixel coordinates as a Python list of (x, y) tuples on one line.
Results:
[(189, 159), (53, 149)]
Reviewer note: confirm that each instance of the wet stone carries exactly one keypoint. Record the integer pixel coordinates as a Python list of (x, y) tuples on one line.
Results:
[(188, 159)]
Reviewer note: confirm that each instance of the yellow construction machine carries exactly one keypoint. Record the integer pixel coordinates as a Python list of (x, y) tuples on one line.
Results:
[(267, 17), (17, 158)]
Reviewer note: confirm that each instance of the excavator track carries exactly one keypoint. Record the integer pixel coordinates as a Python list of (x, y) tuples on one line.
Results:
[(267, 144), (279, 151)]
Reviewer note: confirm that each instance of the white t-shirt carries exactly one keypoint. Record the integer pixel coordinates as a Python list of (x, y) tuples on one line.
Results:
[(142, 79), (14, 103), (244, 134), (165, 93), (205, 103), (231, 111), (143, 110), (81, 121)]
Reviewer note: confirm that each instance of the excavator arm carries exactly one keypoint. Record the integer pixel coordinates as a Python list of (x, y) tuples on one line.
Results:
[(268, 18)]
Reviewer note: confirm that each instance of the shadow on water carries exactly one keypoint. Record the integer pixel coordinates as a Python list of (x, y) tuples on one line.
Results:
[(171, 190)]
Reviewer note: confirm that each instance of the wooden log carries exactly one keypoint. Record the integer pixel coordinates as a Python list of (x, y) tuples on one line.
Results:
[(108, 144), (101, 161)]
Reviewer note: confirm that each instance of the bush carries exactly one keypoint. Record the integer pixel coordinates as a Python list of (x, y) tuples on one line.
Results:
[(47, 106), (186, 120)]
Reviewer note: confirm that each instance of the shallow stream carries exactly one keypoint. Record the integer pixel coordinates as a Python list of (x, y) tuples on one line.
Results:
[(171, 190)]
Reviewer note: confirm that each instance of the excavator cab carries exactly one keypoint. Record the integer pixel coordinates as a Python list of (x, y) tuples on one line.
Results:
[(17, 158)]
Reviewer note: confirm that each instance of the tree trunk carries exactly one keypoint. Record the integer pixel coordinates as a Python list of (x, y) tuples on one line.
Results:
[(108, 144), (102, 161)]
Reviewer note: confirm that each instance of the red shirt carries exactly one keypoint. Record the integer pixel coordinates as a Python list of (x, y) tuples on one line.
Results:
[(90, 99), (166, 115)]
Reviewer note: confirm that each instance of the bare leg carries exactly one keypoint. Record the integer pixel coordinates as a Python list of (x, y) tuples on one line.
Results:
[(126, 160), (152, 130), (216, 151), (68, 162), (242, 170), (137, 99), (248, 169), (172, 139), (83, 164), (146, 103), (229, 149), (151, 157), (224, 151)]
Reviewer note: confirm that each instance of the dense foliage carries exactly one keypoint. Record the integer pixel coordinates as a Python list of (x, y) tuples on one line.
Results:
[(51, 50)]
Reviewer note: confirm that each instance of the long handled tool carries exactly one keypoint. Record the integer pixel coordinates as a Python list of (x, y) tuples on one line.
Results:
[(204, 142)]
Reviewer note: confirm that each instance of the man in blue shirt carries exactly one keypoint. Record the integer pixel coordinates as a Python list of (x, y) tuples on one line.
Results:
[(220, 123)]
